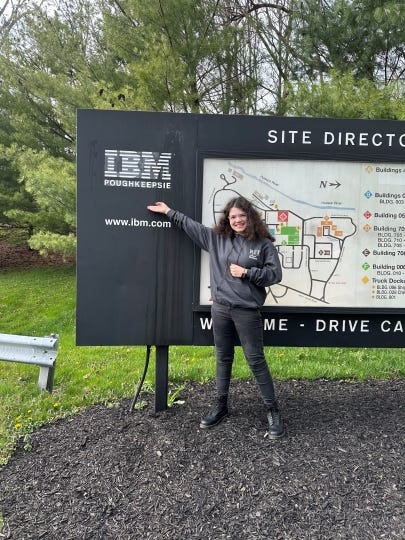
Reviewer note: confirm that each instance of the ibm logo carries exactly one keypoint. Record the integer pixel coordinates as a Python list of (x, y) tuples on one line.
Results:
[(140, 165)]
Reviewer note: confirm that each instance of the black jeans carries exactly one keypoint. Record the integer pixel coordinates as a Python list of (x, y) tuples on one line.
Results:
[(247, 324)]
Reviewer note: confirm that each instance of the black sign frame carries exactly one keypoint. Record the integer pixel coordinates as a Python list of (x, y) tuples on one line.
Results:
[(139, 286)]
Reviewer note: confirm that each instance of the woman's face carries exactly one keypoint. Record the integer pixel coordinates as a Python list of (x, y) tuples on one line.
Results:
[(238, 220)]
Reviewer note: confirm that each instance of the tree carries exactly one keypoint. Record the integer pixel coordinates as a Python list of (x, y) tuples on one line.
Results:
[(363, 36), (352, 59), (271, 25), (345, 96), (10, 13), (40, 197), (302, 57), (13, 197), (177, 55), (49, 65)]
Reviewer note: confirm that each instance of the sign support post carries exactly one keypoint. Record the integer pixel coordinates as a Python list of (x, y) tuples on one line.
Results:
[(161, 377)]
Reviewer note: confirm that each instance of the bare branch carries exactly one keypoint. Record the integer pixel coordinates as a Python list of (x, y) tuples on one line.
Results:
[(255, 7), (122, 10)]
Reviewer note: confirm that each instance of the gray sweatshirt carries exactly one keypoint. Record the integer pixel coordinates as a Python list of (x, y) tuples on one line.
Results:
[(260, 257)]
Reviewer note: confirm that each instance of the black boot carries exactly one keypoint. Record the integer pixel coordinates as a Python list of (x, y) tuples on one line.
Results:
[(216, 415), (276, 426)]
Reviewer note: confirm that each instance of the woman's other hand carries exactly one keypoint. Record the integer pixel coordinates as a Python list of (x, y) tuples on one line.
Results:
[(237, 271)]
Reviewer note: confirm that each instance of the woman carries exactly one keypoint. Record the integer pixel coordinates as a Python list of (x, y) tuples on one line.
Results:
[(243, 261)]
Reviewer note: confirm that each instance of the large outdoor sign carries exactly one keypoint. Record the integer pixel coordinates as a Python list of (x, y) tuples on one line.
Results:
[(332, 192)]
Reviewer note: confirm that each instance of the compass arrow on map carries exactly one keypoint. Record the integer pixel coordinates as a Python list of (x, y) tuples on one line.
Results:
[(325, 184)]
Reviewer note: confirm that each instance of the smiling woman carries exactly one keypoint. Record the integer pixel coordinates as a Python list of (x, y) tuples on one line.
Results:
[(243, 262), (238, 220)]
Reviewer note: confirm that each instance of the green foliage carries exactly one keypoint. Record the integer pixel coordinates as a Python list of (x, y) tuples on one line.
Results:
[(13, 197), (344, 96), (40, 197), (171, 55), (334, 58), (51, 182), (360, 36), (41, 302), (173, 394), (49, 66), (49, 61), (47, 243), (174, 55)]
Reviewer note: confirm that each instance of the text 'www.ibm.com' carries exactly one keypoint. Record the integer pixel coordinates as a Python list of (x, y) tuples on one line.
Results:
[(134, 222)]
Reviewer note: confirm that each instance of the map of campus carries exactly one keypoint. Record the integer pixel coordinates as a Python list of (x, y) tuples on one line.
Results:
[(335, 223)]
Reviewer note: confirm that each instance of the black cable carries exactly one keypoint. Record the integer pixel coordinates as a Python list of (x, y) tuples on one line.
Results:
[(145, 370)]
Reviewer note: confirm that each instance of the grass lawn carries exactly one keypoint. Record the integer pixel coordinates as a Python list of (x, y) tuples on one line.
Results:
[(39, 302)]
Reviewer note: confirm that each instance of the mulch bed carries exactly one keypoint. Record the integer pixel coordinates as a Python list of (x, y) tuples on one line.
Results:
[(107, 473), (14, 257)]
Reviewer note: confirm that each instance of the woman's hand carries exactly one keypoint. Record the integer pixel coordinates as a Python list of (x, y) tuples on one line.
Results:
[(237, 271), (159, 207)]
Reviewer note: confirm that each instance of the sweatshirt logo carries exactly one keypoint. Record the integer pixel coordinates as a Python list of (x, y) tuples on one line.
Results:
[(254, 254)]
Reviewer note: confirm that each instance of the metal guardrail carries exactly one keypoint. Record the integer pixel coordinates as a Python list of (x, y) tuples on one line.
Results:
[(41, 351)]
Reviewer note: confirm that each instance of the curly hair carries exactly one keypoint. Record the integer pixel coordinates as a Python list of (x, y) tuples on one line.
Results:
[(255, 228)]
